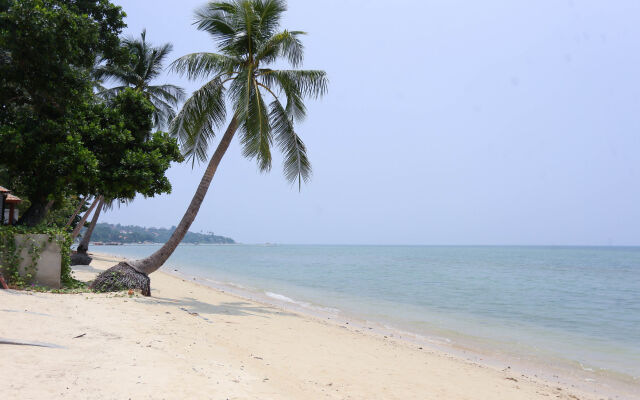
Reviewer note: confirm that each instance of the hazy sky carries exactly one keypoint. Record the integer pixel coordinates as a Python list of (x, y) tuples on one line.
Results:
[(446, 122)]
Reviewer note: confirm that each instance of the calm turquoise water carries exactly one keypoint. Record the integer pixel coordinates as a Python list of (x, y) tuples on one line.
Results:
[(579, 304)]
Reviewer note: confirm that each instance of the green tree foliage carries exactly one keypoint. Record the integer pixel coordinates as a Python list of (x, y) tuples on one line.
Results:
[(47, 48), (55, 138), (134, 234), (130, 158)]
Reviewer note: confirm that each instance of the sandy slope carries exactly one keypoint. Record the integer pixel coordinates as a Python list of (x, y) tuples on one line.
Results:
[(190, 341)]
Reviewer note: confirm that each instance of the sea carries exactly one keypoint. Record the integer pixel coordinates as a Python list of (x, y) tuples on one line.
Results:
[(574, 309)]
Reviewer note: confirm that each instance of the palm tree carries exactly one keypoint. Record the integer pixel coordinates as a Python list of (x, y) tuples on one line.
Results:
[(239, 76), (145, 66), (83, 247)]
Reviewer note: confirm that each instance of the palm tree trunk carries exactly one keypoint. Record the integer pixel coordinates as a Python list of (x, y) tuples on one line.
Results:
[(155, 261), (84, 245), (78, 227), (48, 207), (77, 210)]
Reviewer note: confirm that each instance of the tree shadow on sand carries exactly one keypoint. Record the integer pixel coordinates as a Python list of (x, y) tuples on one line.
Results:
[(239, 308)]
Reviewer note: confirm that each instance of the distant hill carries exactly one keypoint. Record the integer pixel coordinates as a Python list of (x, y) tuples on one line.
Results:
[(104, 232)]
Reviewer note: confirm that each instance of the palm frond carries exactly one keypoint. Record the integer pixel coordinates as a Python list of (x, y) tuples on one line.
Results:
[(249, 40), (253, 119), (110, 93), (156, 60), (268, 15), (201, 114), (145, 64), (219, 19), (283, 44), (109, 204), (311, 83), (296, 163), (170, 93), (202, 65), (295, 102), (163, 112)]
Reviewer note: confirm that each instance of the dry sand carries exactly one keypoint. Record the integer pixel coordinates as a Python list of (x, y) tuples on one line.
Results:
[(189, 341)]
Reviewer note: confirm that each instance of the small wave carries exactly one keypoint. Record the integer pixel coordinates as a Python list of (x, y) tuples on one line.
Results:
[(282, 297), (285, 299), (586, 368)]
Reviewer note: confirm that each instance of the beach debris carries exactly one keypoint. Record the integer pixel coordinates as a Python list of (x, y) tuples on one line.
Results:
[(35, 344), (195, 314), (130, 292), (122, 277), (511, 379), (79, 336)]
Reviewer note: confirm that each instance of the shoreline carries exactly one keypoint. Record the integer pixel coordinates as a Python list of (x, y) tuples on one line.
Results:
[(565, 373), (546, 366), (190, 335)]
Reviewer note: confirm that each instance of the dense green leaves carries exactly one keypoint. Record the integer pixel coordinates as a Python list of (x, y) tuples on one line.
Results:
[(46, 103), (248, 38), (130, 159), (56, 140)]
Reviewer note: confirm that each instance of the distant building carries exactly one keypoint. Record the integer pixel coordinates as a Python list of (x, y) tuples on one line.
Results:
[(8, 203)]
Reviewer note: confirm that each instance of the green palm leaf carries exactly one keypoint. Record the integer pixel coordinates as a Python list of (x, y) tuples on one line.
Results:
[(296, 163), (249, 40), (201, 114), (145, 65)]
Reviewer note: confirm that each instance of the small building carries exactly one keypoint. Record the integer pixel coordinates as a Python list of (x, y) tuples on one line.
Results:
[(8, 203)]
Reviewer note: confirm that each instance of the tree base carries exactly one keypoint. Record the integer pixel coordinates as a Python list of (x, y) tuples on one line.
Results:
[(80, 259), (122, 277)]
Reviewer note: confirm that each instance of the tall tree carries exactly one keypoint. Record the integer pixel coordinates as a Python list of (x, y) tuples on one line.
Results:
[(238, 76), (47, 48), (134, 160), (144, 65)]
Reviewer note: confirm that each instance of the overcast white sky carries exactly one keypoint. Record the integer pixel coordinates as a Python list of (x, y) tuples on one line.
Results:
[(446, 122)]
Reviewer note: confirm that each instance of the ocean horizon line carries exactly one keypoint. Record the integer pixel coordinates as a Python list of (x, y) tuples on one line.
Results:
[(403, 245)]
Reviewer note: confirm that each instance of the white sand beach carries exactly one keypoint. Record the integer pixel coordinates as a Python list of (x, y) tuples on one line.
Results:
[(192, 341)]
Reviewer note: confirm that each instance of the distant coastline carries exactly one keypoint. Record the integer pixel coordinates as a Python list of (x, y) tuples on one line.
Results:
[(116, 234)]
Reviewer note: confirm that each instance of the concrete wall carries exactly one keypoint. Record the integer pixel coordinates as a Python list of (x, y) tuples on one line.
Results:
[(48, 268)]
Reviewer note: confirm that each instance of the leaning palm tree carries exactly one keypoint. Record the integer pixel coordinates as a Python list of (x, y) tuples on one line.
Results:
[(264, 104), (81, 257), (145, 66)]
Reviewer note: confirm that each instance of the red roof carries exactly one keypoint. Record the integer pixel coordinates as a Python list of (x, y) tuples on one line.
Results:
[(13, 199), (4, 190)]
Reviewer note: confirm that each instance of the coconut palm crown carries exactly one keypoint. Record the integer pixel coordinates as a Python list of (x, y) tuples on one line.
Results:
[(264, 102), (238, 78), (145, 65)]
